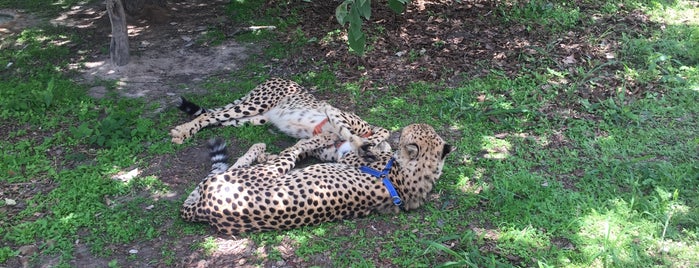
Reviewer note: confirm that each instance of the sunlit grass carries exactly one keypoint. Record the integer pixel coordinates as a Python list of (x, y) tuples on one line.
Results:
[(675, 12), (208, 245)]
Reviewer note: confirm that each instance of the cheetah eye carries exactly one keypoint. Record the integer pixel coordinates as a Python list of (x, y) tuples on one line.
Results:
[(413, 150)]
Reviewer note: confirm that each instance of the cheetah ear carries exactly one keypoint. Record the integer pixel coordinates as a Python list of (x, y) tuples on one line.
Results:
[(447, 149), (413, 150)]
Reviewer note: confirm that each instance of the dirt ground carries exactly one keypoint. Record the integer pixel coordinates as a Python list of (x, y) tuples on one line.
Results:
[(434, 40)]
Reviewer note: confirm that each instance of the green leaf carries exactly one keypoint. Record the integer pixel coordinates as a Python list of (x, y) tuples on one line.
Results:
[(397, 6), (81, 131), (48, 94), (355, 27), (357, 41), (355, 35), (341, 12), (364, 8)]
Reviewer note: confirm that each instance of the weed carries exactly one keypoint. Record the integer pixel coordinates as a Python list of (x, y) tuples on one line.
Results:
[(169, 256), (462, 259), (211, 37), (6, 253), (208, 245), (413, 55), (439, 43), (555, 16), (323, 80)]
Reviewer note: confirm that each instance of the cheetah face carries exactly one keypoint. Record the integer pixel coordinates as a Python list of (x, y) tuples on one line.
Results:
[(421, 149), (421, 142)]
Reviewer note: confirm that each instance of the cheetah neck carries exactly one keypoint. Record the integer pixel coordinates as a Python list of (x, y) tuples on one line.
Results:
[(412, 182), (384, 176)]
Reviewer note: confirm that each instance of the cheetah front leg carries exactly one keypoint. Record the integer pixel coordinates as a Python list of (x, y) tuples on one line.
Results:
[(339, 125), (251, 156), (286, 160), (378, 135)]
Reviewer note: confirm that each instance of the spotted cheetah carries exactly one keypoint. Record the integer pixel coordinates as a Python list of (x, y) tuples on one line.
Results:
[(290, 108), (275, 196)]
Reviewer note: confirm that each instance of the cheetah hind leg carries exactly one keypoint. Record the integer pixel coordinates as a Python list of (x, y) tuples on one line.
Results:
[(214, 118), (219, 158)]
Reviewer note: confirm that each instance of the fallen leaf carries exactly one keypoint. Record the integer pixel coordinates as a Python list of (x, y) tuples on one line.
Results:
[(570, 60), (10, 202)]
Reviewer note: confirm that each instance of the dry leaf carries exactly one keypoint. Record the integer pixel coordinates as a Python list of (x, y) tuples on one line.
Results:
[(570, 60)]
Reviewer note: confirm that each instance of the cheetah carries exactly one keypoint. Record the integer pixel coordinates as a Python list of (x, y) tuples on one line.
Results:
[(249, 197), (291, 109)]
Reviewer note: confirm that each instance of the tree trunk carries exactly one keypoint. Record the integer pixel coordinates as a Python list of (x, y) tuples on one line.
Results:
[(119, 45)]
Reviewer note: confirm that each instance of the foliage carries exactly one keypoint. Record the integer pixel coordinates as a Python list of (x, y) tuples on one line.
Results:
[(117, 127), (352, 12), (48, 112), (6, 253)]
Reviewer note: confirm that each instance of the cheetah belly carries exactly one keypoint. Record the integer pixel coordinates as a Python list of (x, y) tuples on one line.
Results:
[(298, 122)]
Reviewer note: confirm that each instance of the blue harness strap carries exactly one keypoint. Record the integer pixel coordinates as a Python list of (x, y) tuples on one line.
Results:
[(383, 175)]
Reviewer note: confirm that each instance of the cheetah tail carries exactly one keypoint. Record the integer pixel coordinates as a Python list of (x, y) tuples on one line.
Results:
[(219, 155), (190, 107)]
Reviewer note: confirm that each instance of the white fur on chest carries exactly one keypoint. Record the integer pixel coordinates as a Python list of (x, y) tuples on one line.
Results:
[(296, 122)]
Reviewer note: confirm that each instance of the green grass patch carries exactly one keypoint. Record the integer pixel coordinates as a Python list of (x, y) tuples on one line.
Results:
[(555, 16), (70, 146), (279, 15)]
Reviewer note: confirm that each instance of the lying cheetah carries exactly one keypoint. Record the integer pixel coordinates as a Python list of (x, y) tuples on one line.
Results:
[(274, 196), (290, 108)]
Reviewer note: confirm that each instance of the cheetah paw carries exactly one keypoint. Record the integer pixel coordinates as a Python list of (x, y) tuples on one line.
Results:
[(177, 136), (264, 158)]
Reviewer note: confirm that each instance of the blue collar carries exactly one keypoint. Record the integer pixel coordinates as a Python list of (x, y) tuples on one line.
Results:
[(383, 175)]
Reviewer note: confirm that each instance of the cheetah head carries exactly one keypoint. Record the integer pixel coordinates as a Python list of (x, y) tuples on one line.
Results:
[(420, 154)]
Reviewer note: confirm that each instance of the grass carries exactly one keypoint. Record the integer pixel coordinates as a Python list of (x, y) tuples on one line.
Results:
[(557, 16), (611, 184)]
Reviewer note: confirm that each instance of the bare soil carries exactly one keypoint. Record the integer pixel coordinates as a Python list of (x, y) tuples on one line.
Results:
[(433, 40)]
